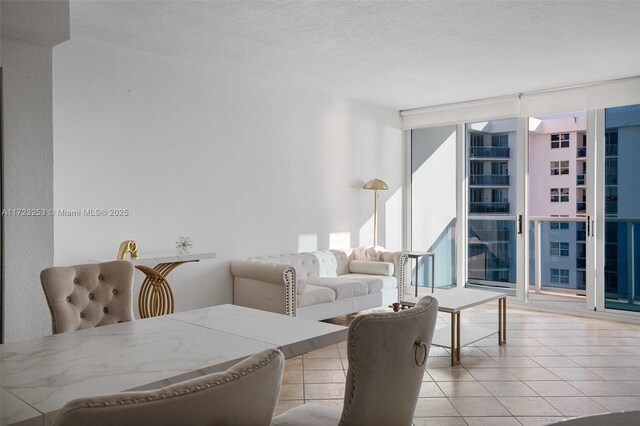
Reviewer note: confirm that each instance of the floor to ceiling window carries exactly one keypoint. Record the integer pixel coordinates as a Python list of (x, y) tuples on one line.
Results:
[(622, 208), (433, 202), (558, 202), (545, 203), (491, 187)]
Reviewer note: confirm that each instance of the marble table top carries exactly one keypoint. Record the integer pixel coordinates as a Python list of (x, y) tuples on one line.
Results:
[(458, 299), (39, 376)]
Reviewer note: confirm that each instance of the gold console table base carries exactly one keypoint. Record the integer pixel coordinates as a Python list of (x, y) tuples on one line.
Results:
[(156, 297)]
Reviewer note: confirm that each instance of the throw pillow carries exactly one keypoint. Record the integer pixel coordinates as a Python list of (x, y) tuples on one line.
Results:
[(371, 268), (369, 253)]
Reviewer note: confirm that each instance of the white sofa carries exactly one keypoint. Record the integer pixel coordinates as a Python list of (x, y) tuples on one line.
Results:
[(321, 284)]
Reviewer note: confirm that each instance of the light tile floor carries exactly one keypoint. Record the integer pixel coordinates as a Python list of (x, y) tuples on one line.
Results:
[(552, 367)]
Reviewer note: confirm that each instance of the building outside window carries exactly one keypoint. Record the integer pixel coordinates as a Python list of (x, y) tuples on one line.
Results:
[(557, 248), (559, 276), (500, 140), (559, 168), (559, 225), (475, 139), (560, 140), (559, 195)]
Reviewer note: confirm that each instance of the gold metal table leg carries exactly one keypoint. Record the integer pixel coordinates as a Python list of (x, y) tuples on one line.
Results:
[(455, 338), (458, 338), (502, 321), (156, 296)]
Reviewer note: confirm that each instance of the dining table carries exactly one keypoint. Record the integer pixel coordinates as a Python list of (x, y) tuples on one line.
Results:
[(41, 375)]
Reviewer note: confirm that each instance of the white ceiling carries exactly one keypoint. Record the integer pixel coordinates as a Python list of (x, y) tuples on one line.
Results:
[(399, 54)]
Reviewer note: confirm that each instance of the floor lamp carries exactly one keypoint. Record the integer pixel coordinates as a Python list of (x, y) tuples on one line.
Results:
[(375, 185)]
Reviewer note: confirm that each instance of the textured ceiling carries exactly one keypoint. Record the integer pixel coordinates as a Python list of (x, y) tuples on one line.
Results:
[(399, 54)]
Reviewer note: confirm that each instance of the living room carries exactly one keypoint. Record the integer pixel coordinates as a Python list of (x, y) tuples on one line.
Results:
[(251, 127)]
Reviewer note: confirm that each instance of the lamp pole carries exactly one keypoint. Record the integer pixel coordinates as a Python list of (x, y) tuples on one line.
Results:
[(375, 185), (375, 217)]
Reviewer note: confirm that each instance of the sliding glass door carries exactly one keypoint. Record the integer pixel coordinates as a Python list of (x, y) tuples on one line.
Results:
[(552, 196), (491, 214), (559, 209), (622, 208)]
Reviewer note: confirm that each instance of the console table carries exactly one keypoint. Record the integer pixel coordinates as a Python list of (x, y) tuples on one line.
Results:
[(156, 296)]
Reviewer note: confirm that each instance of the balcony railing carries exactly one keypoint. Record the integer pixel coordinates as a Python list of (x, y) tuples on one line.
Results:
[(581, 151), (491, 180), (489, 207), (581, 207), (580, 179), (621, 292), (489, 152)]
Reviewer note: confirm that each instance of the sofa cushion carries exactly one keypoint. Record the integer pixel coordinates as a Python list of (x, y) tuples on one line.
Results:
[(368, 253), (331, 263), (375, 282), (301, 285), (314, 295), (371, 268), (343, 288)]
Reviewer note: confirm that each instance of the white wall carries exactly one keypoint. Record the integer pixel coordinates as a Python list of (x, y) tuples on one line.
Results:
[(29, 31), (242, 166), (27, 181)]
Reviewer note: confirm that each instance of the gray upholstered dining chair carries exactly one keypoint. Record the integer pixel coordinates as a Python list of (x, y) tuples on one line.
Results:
[(90, 295), (387, 353), (244, 395)]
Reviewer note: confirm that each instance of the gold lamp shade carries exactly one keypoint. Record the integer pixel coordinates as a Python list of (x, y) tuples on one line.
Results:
[(375, 185)]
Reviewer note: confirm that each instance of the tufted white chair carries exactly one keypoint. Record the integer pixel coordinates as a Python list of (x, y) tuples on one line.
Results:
[(245, 394), (387, 354), (91, 295)]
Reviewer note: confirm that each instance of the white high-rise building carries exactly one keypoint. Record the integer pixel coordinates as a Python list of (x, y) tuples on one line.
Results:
[(557, 178)]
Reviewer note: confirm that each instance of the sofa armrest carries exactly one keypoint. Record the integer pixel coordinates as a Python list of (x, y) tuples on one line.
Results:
[(399, 260), (261, 271), (264, 285)]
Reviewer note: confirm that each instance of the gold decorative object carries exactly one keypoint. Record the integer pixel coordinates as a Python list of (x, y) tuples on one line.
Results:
[(375, 185), (183, 245), (156, 297), (128, 246)]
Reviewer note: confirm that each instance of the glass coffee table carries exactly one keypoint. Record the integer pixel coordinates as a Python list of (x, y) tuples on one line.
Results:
[(456, 300)]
